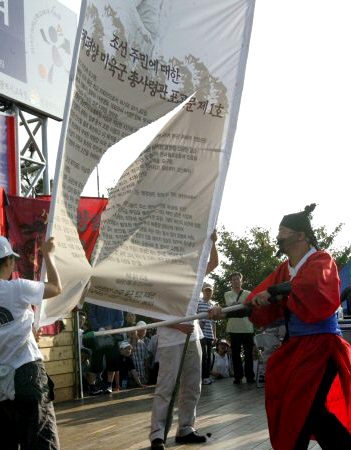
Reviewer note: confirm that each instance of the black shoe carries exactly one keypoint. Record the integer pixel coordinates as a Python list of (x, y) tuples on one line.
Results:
[(157, 444), (94, 390), (251, 380), (191, 438), (107, 389), (237, 381)]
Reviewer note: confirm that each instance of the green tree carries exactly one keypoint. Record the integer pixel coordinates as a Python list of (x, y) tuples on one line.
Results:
[(326, 242), (253, 255)]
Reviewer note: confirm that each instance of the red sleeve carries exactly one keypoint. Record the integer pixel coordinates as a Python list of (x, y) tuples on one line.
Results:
[(266, 315), (315, 292)]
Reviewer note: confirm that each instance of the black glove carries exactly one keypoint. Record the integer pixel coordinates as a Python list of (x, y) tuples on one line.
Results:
[(245, 311), (280, 289)]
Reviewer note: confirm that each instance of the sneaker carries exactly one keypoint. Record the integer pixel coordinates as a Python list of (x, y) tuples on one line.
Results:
[(157, 444), (94, 390), (237, 381), (107, 389), (251, 380), (191, 438), (206, 381)]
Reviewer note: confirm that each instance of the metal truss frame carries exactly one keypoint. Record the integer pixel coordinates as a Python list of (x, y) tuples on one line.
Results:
[(32, 157)]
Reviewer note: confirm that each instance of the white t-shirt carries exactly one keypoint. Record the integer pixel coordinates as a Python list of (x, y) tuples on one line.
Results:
[(221, 365), (167, 337), (17, 342)]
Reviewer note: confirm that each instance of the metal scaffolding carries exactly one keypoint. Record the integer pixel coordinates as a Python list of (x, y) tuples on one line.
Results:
[(32, 157)]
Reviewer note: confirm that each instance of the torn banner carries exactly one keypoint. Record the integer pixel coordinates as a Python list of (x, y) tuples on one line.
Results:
[(139, 60)]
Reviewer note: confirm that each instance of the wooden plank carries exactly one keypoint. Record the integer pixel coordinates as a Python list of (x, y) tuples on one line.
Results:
[(68, 324), (57, 353), (64, 338), (235, 415), (64, 394), (63, 380), (58, 367)]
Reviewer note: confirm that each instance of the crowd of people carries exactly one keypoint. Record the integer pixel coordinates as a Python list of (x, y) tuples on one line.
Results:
[(115, 362)]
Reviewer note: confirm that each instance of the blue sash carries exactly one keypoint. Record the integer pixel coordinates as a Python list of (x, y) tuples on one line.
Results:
[(298, 327)]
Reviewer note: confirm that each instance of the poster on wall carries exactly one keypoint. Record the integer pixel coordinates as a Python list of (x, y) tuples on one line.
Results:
[(37, 38), (138, 61)]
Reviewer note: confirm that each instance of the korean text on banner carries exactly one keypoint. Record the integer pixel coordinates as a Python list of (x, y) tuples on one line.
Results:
[(137, 62)]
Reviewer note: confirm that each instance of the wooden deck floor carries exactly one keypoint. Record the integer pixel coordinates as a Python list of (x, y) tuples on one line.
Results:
[(234, 415)]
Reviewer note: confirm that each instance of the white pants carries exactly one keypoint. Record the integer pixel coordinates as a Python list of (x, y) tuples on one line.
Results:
[(189, 390)]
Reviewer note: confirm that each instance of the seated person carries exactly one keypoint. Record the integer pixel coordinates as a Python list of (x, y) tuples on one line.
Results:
[(221, 366), (125, 367)]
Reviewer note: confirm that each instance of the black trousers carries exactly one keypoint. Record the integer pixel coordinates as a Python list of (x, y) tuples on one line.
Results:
[(206, 346), (237, 341), (326, 428), (153, 374), (29, 420)]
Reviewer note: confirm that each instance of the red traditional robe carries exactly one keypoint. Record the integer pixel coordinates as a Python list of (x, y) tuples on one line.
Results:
[(295, 370)]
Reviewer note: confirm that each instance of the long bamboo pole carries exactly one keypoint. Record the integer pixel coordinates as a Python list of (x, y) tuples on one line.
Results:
[(166, 323)]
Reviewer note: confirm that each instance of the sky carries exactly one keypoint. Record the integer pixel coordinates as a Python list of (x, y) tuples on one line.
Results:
[(293, 140)]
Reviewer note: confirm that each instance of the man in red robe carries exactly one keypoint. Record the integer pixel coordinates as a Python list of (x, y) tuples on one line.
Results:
[(308, 379)]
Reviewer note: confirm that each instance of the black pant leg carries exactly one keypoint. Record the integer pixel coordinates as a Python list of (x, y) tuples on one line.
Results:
[(112, 359), (247, 339), (33, 408), (206, 345), (205, 358), (8, 430), (328, 431), (209, 356), (36, 425), (236, 342), (48, 434)]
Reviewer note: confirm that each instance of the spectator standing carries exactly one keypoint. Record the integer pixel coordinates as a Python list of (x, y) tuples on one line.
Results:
[(346, 295), (102, 318), (27, 414), (241, 332), (209, 333), (140, 352)]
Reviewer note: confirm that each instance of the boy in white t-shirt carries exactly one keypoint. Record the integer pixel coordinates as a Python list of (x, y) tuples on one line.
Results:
[(27, 414)]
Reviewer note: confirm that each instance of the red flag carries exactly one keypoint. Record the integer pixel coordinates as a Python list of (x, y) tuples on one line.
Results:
[(28, 219)]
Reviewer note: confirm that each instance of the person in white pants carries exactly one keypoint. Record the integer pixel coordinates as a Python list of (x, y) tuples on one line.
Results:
[(171, 344)]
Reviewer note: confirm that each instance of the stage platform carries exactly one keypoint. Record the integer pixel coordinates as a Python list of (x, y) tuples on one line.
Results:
[(233, 414)]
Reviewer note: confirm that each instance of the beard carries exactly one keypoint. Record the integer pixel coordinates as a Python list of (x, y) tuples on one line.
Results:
[(283, 245)]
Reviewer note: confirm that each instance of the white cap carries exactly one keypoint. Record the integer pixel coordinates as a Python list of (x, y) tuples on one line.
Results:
[(124, 344), (207, 286), (6, 249), (141, 323)]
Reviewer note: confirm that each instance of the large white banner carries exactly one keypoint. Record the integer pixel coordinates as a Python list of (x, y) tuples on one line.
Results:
[(139, 60)]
